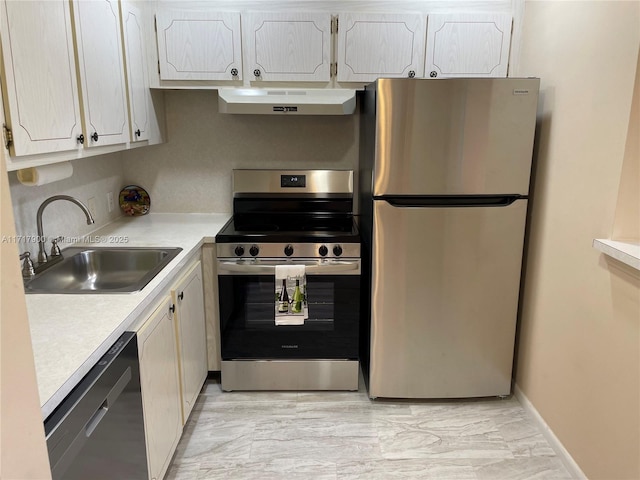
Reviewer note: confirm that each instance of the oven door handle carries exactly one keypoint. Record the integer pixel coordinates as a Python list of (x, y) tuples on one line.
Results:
[(333, 267)]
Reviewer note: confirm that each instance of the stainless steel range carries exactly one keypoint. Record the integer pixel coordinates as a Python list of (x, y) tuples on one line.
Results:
[(276, 334)]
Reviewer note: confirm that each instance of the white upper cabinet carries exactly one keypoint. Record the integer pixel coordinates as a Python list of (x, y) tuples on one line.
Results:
[(101, 72), (287, 46), (40, 77), (199, 45), (380, 45), (137, 78), (468, 45)]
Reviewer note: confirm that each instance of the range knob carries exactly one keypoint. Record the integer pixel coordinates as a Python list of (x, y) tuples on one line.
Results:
[(254, 250), (337, 250), (288, 250), (323, 250), (239, 250)]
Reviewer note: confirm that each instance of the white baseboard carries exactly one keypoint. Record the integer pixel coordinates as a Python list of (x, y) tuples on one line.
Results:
[(562, 453)]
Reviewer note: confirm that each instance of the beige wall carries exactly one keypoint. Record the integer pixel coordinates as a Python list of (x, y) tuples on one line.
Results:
[(579, 345), (627, 222), (192, 171), (22, 444)]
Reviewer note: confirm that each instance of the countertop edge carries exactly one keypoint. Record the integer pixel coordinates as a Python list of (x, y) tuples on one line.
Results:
[(149, 297), (626, 252)]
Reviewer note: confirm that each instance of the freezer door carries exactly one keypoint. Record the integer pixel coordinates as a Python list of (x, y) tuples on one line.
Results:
[(453, 136), (444, 300)]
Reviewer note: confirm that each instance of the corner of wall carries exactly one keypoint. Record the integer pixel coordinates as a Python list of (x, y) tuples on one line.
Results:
[(626, 224)]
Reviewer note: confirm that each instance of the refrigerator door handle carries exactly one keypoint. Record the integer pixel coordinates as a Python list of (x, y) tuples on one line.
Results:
[(451, 201)]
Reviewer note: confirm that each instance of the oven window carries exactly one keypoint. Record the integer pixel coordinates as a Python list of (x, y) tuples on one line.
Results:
[(260, 301), (247, 318)]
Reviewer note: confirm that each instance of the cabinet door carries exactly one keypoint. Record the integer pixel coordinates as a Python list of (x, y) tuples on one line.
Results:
[(41, 91), (287, 46), (160, 388), (199, 45), (101, 67), (136, 68), (192, 337), (380, 45), (211, 316), (468, 45)]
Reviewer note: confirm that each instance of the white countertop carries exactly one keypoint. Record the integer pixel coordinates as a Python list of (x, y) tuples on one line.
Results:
[(71, 332)]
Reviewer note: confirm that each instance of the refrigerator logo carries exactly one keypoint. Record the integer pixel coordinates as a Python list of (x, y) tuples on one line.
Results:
[(285, 109), (520, 92), (289, 346)]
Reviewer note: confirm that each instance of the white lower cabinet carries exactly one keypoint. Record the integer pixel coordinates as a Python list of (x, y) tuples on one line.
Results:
[(211, 316), (187, 295), (172, 346), (160, 388)]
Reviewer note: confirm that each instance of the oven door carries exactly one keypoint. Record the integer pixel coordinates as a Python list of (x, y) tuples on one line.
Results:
[(247, 314)]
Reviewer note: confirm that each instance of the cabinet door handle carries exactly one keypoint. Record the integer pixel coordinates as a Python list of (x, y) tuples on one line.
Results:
[(181, 296), (172, 308), (80, 139), (257, 72), (234, 72), (137, 132), (94, 137)]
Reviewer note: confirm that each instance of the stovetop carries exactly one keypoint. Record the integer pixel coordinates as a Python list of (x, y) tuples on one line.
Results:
[(290, 214), (289, 228)]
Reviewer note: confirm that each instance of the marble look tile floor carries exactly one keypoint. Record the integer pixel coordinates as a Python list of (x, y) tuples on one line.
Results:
[(347, 436)]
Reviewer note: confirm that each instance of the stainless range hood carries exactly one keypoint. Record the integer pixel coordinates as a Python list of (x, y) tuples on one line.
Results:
[(286, 101)]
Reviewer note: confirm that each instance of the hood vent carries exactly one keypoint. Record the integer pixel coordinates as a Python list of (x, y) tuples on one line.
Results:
[(274, 101)]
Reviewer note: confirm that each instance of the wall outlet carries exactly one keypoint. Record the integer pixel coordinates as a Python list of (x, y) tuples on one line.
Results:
[(110, 205), (91, 204)]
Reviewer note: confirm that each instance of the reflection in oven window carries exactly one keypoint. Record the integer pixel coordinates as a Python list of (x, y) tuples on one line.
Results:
[(259, 312)]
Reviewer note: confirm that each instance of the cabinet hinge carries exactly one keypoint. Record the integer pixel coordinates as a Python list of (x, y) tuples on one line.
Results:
[(334, 25), (158, 67), (334, 69), (155, 24), (8, 136)]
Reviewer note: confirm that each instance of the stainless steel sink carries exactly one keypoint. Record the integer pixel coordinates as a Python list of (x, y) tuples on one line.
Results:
[(102, 270)]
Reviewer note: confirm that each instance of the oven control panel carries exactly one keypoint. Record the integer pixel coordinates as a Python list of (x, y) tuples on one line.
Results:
[(288, 250)]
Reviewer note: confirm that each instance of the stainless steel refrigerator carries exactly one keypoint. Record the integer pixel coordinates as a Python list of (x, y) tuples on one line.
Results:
[(444, 181)]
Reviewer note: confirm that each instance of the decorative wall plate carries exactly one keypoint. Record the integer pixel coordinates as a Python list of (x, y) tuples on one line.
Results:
[(134, 201)]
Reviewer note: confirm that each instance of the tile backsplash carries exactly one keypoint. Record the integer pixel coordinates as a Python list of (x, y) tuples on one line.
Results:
[(92, 177)]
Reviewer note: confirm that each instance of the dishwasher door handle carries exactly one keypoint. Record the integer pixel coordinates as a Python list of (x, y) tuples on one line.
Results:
[(95, 419), (61, 464), (110, 399)]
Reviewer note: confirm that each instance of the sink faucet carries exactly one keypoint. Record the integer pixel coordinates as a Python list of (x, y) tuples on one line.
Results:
[(42, 255)]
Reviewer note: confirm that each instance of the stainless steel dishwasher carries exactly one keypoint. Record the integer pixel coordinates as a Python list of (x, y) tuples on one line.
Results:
[(97, 432)]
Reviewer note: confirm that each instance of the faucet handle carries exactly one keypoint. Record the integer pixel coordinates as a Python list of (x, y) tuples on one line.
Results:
[(28, 269), (55, 249)]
